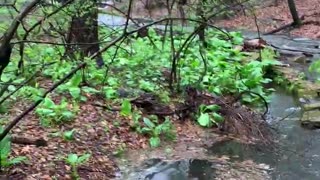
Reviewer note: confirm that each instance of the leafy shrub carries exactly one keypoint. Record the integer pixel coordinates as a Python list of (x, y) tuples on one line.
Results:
[(5, 151), (51, 113)]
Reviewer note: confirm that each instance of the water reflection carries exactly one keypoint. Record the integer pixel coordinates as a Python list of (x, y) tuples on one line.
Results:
[(295, 157)]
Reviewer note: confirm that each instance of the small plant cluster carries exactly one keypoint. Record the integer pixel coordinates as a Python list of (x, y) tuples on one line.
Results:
[(5, 151), (51, 113), (208, 115), (75, 161), (66, 135), (150, 126)]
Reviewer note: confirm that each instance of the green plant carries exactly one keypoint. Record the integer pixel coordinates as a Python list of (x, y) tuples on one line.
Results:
[(208, 115), (315, 66), (5, 150), (31, 93), (126, 108), (73, 87), (154, 129), (136, 121), (118, 152), (68, 135), (51, 113), (74, 161)]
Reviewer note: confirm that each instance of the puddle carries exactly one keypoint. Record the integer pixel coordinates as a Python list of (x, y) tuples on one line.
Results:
[(157, 169)]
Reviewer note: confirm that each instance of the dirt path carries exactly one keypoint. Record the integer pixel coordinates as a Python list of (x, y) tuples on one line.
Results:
[(272, 17)]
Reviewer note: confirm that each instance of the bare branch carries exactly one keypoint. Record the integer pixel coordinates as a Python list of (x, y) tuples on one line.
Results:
[(15, 24)]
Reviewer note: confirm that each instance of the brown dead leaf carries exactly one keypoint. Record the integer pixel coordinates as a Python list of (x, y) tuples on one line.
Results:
[(26, 149), (46, 177)]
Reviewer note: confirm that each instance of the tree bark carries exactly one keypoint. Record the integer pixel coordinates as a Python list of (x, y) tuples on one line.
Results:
[(294, 13), (84, 31), (202, 28)]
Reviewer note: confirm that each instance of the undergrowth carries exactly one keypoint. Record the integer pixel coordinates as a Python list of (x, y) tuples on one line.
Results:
[(140, 65)]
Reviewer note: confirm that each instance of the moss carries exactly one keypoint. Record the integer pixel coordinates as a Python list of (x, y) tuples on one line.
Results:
[(292, 81)]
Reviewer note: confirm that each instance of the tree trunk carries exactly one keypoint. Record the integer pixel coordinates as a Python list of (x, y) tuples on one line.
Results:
[(84, 31), (294, 13), (202, 27)]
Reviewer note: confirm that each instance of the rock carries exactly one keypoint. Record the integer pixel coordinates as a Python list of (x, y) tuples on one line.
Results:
[(301, 39), (304, 88), (292, 110), (289, 53), (311, 119), (299, 59), (303, 100), (311, 106)]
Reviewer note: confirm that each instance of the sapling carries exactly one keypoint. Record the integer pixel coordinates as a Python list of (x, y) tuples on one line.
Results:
[(74, 161)]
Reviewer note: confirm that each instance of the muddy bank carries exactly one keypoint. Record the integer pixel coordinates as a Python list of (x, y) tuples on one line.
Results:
[(189, 157)]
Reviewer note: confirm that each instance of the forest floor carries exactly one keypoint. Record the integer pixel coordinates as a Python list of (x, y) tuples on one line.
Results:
[(104, 134), (274, 16)]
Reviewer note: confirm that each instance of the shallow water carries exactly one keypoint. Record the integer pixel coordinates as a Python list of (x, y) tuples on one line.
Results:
[(297, 155)]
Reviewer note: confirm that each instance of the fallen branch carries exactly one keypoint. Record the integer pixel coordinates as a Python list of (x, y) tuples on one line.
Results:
[(292, 24), (27, 141), (279, 29), (34, 105)]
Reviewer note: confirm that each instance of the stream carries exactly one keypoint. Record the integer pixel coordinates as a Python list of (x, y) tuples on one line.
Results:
[(296, 156)]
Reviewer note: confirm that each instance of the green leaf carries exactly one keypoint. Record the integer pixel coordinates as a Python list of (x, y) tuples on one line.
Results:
[(204, 120), (72, 159), (90, 90), (11, 88), (157, 131), (5, 147), (148, 122), (126, 108), (83, 158), (154, 142), (67, 114), (3, 109), (217, 118), (202, 108), (68, 135), (17, 160), (146, 130), (48, 103), (75, 92), (147, 86), (110, 93), (83, 98), (213, 107), (76, 80), (45, 112)]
